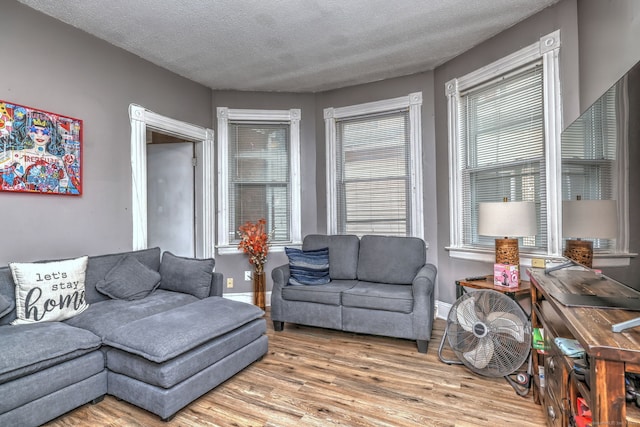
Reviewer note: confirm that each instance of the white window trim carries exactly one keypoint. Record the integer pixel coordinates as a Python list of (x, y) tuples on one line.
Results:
[(140, 118), (413, 101), (547, 49), (291, 116)]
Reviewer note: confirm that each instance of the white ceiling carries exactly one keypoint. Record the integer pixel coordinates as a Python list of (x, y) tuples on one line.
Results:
[(292, 45)]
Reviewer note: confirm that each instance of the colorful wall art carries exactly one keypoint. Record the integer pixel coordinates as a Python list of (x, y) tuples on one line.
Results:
[(40, 152)]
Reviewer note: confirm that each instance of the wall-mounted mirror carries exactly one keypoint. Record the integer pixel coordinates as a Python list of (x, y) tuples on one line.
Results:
[(597, 153)]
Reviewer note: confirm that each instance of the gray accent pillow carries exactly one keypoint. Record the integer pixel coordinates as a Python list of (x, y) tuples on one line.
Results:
[(6, 305), (129, 280), (188, 275)]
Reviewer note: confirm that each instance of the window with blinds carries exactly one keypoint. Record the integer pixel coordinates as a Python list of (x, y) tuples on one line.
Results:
[(373, 174), (259, 177), (502, 149), (589, 153)]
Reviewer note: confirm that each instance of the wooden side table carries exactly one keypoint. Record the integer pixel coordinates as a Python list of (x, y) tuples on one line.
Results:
[(524, 288)]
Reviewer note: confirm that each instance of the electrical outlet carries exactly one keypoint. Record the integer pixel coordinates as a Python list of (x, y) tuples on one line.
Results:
[(229, 282), (538, 263), (247, 276)]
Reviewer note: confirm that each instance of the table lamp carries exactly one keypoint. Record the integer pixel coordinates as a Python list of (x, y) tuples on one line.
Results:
[(595, 219), (509, 219)]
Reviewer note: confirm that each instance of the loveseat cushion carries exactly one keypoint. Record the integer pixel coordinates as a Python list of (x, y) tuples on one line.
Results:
[(329, 294), (379, 296), (129, 279), (390, 260), (168, 334), (343, 253), (105, 316), (36, 346), (189, 275)]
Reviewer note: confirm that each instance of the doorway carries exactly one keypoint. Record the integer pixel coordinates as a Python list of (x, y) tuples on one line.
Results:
[(171, 165), (147, 173)]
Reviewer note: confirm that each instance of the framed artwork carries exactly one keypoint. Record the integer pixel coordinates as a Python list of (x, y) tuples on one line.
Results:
[(40, 152)]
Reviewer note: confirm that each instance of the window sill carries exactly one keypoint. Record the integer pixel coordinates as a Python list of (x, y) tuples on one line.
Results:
[(603, 259), (274, 248)]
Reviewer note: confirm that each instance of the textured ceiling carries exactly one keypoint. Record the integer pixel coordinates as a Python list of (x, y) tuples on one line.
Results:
[(292, 45)]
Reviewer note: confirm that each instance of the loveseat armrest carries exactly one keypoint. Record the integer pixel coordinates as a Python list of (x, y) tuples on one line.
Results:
[(280, 276), (425, 281), (216, 284), (424, 305)]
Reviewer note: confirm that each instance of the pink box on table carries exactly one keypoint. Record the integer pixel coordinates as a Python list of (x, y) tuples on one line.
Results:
[(506, 275)]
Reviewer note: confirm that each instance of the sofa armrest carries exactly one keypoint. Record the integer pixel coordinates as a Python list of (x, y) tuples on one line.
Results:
[(216, 284)]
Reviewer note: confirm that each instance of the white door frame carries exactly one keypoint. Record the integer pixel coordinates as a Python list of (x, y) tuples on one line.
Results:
[(204, 176)]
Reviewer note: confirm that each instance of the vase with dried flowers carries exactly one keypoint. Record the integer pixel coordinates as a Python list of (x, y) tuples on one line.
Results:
[(254, 241)]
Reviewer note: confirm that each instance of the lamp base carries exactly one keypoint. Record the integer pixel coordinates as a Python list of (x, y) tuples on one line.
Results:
[(580, 251), (507, 252)]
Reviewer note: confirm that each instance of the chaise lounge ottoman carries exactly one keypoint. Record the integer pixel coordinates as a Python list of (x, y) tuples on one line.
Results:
[(165, 361)]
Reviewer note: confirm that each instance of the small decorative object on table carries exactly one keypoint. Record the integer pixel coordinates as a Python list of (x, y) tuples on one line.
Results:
[(254, 241)]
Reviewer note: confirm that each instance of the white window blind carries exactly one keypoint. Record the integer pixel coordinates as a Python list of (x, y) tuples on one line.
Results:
[(259, 177), (589, 153), (373, 174), (502, 149)]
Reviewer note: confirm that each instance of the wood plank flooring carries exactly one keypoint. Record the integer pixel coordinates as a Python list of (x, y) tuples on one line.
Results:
[(318, 377)]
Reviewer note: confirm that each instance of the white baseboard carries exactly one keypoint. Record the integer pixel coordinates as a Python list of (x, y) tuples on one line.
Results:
[(442, 309), (247, 297)]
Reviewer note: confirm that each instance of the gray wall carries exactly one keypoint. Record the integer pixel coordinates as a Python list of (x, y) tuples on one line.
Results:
[(51, 66)]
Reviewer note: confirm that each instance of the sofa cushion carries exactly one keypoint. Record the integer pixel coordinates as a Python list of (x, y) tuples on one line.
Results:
[(6, 305), (379, 296), (186, 365), (188, 275), (329, 294), (129, 279), (106, 316), (168, 334), (100, 265), (390, 260), (36, 346), (343, 253), (49, 291), (308, 267)]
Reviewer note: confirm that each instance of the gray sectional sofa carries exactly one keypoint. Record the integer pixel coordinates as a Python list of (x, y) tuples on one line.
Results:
[(377, 285), (157, 348)]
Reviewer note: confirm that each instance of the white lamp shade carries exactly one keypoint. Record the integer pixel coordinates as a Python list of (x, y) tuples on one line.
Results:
[(596, 219), (507, 219)]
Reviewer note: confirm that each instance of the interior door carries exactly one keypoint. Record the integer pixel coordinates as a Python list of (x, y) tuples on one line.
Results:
[(170, 197)]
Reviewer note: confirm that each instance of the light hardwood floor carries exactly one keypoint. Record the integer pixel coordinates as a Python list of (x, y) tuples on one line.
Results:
[(318, 377)]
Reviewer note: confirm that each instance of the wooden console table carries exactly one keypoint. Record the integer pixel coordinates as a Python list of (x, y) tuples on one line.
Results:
[(610, 354)]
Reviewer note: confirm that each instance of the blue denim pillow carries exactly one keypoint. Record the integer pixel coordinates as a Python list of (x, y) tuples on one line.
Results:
[(308, 267)]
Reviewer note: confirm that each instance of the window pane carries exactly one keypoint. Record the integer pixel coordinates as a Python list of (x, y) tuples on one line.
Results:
[(502, 150), (259, 185), (373, 175)]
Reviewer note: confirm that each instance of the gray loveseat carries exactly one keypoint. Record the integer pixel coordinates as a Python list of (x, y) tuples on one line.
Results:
[(378, 285), (159, 350)]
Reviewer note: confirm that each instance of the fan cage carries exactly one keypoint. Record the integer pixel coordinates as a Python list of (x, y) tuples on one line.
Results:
[(489, 333)]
